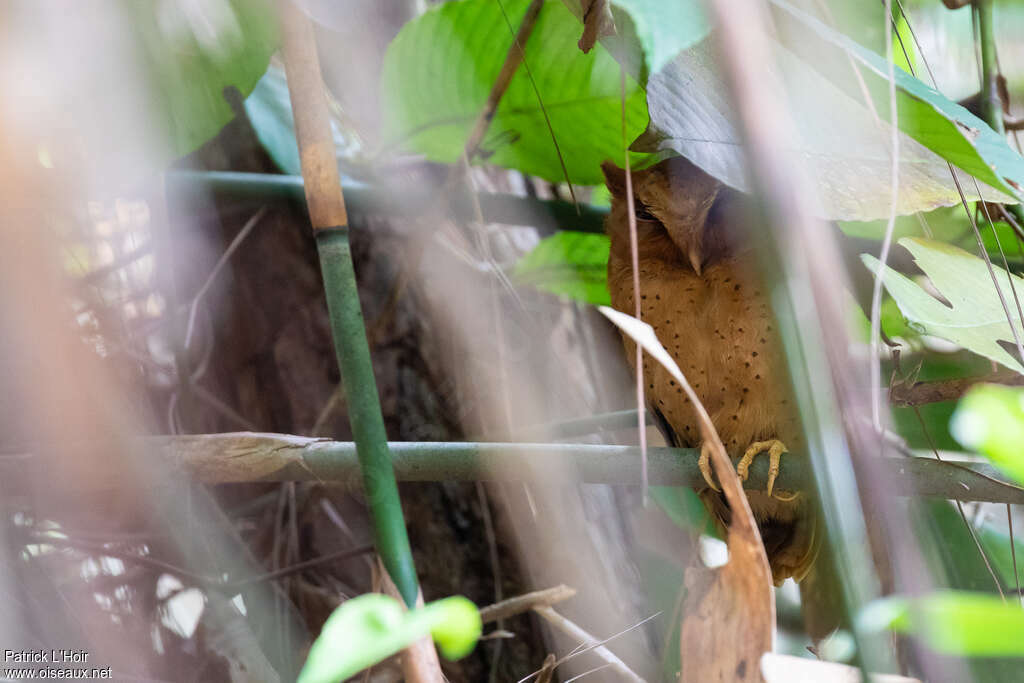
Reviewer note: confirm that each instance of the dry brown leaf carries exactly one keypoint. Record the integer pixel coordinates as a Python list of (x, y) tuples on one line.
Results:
[(729, 613)]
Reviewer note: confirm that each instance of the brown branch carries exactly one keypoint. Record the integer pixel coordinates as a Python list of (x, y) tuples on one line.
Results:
[(513, 58), (906, 394), (525, 603)]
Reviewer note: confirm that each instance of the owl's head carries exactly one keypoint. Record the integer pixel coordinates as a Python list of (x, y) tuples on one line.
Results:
[(675, 195)]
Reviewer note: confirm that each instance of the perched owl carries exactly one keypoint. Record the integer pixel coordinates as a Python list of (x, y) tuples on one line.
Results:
[(700, 290)]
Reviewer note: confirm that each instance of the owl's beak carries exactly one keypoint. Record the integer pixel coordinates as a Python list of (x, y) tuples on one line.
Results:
[(696, 258)]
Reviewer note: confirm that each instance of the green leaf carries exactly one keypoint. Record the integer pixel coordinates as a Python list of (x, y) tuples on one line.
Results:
[(840, 144), (367, 629), (953, 622), (572, 264), (948, 224), (974, 319), (938, 123), (193, 51), (269, 109), (1000, 551), (990, 420), (439, 69)]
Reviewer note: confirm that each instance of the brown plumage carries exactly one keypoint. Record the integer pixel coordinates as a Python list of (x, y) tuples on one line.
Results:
[(700, 290)]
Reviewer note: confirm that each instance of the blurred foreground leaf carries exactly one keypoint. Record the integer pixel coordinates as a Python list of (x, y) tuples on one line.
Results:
[(990, 420), (953, 622), (367, 629), (193, 51), (974, 318)]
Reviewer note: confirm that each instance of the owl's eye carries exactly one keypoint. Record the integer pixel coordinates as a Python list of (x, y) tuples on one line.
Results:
[(642, 213)]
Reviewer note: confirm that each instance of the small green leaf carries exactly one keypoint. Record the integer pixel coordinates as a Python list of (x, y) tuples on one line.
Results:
[(974, 318), (367, 629), (572, 264), (990, 420), (953, 622)]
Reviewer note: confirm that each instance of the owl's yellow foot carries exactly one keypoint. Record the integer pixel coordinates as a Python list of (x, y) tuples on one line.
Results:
[(775, 450), (704, 463)]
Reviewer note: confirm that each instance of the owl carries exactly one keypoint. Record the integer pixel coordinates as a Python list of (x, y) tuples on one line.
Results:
[(700, 291)]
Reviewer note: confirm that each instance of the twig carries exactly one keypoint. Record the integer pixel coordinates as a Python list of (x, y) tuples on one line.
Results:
[(526, 602), (547, 669), (574, 630), (221, 262), (906, 394), (513, 59)]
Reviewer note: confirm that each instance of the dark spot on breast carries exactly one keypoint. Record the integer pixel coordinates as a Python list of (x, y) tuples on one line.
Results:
[(736, 288), (741, 669), (757, 376), (753, 353), (657, 297)]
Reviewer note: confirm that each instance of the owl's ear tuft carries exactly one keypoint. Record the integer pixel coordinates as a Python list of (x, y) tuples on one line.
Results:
[(614, 178)]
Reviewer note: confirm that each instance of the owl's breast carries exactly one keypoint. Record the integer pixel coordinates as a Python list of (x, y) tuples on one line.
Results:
[(719, 329)]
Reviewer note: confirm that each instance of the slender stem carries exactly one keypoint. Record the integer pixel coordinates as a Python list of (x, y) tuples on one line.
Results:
[(329, 217), (364, 412), (991, 103)]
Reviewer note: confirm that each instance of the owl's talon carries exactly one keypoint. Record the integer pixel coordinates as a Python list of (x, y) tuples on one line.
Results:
[(775, 450), (704, 463)]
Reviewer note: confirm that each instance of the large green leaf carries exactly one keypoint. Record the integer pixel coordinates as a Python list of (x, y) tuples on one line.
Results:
[(974, 319), (372, 627), (193, 51), (990, 420), (842, 147), (932, 119), (572, 264), (440, 67)]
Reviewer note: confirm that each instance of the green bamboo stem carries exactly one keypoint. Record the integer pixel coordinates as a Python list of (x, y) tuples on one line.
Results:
[(329, 218), (353, 352), (547, 215), (238, 457)]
